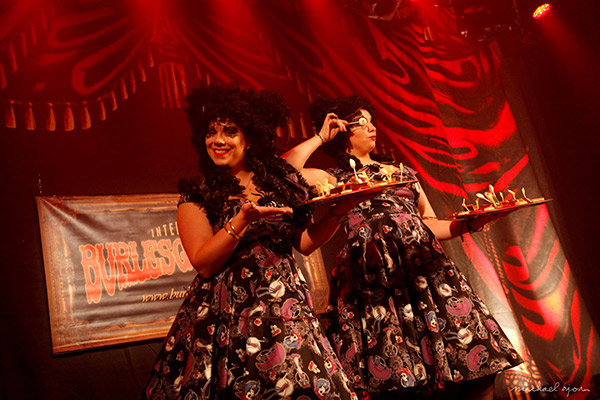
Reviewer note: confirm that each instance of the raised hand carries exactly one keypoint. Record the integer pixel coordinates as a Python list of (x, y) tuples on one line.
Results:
[(331, 127)]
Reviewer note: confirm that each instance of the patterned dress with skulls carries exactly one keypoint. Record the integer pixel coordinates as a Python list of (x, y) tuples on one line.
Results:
[(403, 314), (250, 331)]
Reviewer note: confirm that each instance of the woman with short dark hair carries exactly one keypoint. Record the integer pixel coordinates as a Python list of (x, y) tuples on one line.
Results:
[(404, 317)]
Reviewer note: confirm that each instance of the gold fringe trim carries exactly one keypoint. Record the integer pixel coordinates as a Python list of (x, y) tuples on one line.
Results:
[(84, 114), (29, 118), (3, 81), (69, 120), (101, 109), (9, 116), (51, 120), (113, 100), (12, 59), (123, 89), (132, 82)]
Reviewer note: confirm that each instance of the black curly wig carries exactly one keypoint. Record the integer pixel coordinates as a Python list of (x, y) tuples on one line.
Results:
[(258, 114), (347, 108)]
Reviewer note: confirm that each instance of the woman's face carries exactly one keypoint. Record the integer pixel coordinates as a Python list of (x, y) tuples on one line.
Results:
[(361, 139), (226, 144)]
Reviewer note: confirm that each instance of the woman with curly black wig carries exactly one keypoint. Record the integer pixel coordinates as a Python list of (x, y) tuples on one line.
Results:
[(246, 328), (405, 321)]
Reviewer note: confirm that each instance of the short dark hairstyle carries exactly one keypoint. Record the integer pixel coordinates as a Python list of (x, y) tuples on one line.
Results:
[(347, 108)]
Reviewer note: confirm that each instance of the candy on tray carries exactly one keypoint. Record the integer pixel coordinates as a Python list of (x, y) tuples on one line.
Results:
[(361, 180), (496, 201)]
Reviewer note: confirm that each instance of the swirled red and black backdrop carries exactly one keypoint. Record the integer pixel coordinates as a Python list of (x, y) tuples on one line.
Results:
[(92, 93)]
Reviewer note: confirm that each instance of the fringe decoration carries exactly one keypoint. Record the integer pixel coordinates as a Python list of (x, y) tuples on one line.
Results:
[(141, 72), (29, 117), (428, 35), (183, 82), (132, 81), (69, 120), (303, 127), (173, 85), (113, 100), (150, 58), (163, 90), (175, 92), (51, 121), (291, 129), (127, 84), (12, 59), (102, 109), (3, 82), (86, 121), (288, 73), (123, 89), (9, 116)]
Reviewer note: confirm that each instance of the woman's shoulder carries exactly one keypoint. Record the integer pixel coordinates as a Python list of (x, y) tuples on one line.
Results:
[(191, 190), (400, 167), (337, 172), (301, 184), (408, 170), (314, 175)]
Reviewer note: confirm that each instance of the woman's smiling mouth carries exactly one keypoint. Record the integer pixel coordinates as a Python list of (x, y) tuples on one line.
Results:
[(220, 152)]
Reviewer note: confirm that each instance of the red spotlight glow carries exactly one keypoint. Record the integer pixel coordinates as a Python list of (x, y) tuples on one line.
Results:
[(541, 11)]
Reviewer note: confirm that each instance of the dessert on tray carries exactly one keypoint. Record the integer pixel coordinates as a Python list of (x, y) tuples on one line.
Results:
[(361, 182), (493, 201)]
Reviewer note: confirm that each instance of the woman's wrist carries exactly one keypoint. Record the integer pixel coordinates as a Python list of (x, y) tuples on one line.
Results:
[(231, 231), (470, 228), (238, 224), (465, 227), (336, 215), (320, 137)]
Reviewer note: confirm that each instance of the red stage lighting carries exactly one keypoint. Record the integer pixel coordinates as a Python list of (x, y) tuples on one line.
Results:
[(541, 11)]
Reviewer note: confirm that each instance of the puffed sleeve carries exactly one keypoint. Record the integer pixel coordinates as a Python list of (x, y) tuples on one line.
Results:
[(190, 191)]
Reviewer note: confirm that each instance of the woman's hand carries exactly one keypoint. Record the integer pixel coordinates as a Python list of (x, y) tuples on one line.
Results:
[(331, 127), (251, 212), (299, 154), (477, 223), (321, 231)]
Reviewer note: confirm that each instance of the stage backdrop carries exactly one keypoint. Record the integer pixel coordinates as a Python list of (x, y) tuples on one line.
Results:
[(71, 66)]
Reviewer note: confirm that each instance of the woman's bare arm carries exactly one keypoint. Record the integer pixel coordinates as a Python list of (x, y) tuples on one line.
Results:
[(299, 154), (208, 252), (448, 229)]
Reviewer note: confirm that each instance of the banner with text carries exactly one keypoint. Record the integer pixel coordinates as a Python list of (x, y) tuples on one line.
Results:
[(115, 268)]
